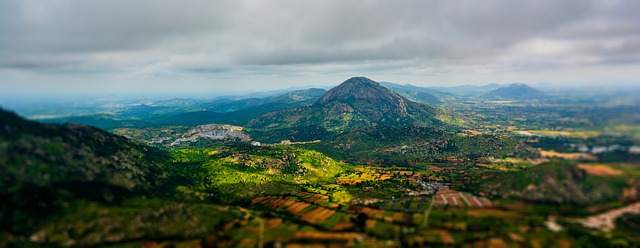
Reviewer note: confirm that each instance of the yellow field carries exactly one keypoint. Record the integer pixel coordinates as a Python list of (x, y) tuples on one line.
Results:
[(317, 215), (573, 134), (568, 156), (599, 170)]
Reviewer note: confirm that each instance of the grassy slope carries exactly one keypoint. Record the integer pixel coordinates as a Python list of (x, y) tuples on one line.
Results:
[(238, 173)]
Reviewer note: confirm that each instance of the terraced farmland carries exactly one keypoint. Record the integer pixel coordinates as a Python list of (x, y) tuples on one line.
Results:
[(460, 199), (311, 208)]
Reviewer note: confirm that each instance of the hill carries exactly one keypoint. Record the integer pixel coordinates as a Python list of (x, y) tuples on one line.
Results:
[(236, 172), (44, 166), (419, 94), (103, 121), (555, 182), (191, 112), (467, 90), (410, 145), (297, 98), (515, 92), (357, 102)]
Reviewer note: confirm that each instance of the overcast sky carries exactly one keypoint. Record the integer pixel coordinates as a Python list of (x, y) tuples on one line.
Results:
[(219, 46)]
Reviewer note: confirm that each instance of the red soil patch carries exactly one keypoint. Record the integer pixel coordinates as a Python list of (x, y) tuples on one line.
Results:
[(459, 199), (370, 224), (564, 243), (370, 212), (273, 222), (402, 217), (288, 203), (262, 200), (297, 207), (275, 204), (317, 215), (497, 243), (448, 197), (333, 205), (518, 205), (341, 226)]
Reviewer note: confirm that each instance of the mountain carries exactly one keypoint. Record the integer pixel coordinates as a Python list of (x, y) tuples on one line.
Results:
[(357, 102), (43, 166), (311, 94), (239, 112), (419, 94), (103, 121), (303, 97), (467, 90), (192, 112), (515, 92)]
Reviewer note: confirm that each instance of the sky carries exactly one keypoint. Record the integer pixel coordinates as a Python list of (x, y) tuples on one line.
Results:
[(158, 46)]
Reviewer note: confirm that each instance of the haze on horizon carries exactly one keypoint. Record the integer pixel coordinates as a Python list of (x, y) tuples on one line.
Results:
[(91, 46)]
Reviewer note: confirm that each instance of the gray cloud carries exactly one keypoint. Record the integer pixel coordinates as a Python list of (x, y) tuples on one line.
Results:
[(275, 42)]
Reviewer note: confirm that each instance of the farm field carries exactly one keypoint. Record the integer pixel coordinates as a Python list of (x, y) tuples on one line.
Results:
[(460, 199)]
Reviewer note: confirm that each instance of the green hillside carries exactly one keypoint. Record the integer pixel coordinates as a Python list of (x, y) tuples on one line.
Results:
[(408, 145), (556, 182), (357, 102), (45, 166), (237, 172)]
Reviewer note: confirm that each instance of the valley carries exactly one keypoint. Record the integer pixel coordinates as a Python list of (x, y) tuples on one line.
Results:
[(360, 165), (319, 124)]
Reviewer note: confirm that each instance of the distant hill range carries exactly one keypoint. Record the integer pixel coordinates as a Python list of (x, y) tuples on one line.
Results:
[(191, 112), (357, 102), (467, 90), (420, 94), (515, 92), (296, 97), (437, 95), (300, 115)]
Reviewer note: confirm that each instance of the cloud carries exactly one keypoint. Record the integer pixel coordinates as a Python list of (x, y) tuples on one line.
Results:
[(204, 41)]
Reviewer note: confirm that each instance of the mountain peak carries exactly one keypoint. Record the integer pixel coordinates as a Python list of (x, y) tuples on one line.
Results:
[(518, 85), (355, 103), (357, 88), (360, 81), (515, 91)]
